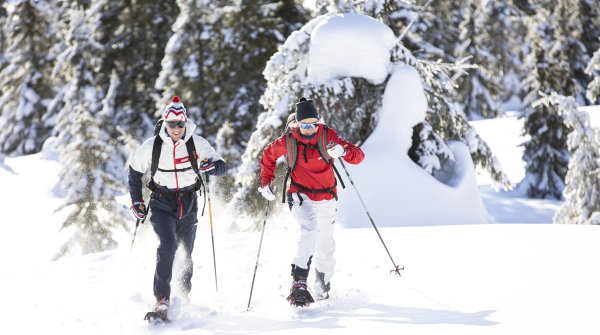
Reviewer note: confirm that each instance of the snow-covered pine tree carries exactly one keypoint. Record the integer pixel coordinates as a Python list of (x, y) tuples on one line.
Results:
[(446, 118), (250, 34), (582, 190), (589, 12), (137, 34), (546, 154), (480, 91), (3, 14), (567, 47), (133, 36), (374, 8), (439, 26), (186, 59), (25, 81), (286, 83), (593, 70), (89, 174)]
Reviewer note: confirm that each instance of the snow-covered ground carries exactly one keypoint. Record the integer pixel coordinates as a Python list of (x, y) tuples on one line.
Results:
[(518, 278)]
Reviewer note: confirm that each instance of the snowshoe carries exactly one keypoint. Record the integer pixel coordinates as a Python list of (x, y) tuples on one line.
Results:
[(156, 317), (321, 289), (160, 313), (299, 295)]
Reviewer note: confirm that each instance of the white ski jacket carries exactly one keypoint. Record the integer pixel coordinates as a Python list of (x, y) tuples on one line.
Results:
[(173, 158)]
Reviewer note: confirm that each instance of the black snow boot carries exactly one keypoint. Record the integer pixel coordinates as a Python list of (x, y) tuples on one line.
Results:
[(160, 313), (321, 288), (299, 295)]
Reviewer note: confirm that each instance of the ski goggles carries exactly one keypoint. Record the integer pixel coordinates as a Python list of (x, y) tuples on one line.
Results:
[(173, 124), (307, 126)]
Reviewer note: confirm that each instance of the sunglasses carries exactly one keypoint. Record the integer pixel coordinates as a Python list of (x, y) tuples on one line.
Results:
[(307, 126), (173, 124)]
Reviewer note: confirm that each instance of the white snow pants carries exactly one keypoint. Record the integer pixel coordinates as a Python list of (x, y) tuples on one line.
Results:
[(316, 222)]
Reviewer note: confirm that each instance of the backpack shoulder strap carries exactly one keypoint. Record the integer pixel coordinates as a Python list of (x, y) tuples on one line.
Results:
[(191, 149), (292, 149), (322, 145), (155, 155), (291, 157)]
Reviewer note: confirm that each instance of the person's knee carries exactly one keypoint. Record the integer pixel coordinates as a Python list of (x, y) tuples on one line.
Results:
[(167, 246)]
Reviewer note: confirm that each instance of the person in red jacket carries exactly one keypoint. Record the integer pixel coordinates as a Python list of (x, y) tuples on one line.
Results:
[(311, 196)]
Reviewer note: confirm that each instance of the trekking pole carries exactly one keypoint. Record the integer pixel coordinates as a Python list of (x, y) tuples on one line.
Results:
[(397, 268), (258, 255), (137, 224), (212, 236)]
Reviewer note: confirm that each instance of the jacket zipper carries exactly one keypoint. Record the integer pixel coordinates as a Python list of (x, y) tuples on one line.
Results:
[(177, 181)]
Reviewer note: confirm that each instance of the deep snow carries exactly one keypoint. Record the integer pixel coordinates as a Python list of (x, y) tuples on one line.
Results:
[(518, 278)]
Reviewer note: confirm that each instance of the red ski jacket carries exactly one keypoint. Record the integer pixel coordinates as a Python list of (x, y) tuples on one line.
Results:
[(312, 172)]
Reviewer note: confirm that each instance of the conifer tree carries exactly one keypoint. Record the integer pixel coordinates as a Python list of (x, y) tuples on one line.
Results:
[(89, 174), (217, 69), (567, 48), (137, 35), (593, 70), (480, 90), (581, 193), (439, 27), (546, 155), (253, 32), (3, 59), (286, 75), (187, 56), (589, 14), (25, 80), (446, 118)]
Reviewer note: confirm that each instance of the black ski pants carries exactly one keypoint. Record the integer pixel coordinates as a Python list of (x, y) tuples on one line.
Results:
[(171, 232)]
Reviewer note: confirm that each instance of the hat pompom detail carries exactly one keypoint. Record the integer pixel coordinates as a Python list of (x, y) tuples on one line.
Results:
[(175, 110)]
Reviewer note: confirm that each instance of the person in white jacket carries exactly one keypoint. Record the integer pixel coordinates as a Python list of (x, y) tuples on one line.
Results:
[(174, 200)]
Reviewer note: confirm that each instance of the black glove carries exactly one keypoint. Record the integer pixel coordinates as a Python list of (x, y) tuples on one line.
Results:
[(138, 209), (206, 166)]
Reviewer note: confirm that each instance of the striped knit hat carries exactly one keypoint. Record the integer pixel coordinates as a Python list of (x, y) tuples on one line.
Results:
[(175, 111)]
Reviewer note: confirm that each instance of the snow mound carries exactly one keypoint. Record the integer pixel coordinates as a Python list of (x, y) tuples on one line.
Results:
[(350, 45), (396, 191), (49, 150)]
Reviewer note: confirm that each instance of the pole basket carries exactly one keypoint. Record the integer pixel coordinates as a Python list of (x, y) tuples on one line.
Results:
[(397, 270)]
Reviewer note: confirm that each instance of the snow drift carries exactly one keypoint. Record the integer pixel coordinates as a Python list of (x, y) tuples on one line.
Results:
[(355, 45)]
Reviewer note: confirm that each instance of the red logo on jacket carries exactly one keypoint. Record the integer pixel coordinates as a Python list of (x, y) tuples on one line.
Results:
[(182, 160)]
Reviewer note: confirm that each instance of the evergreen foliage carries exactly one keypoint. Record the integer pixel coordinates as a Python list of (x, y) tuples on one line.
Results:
[(90, 175), (252, 32), (482, 91), (25, 77), (581, 193), (593, 70), (135, 35), (3, 39), (347, 104), (446, 117), (187, 56), (550, 68)]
